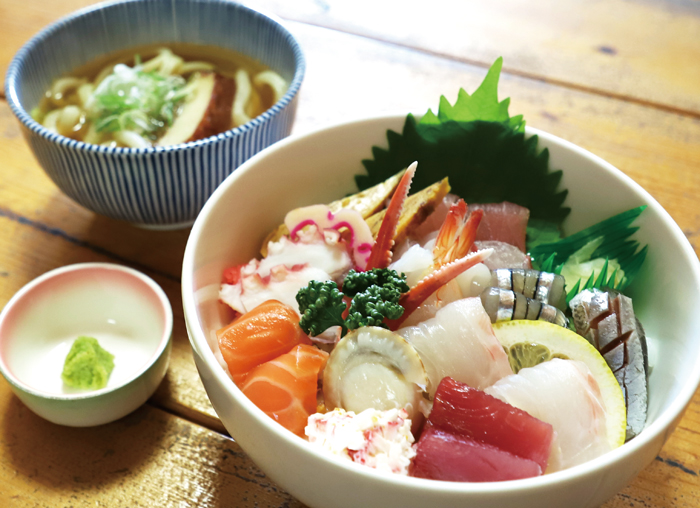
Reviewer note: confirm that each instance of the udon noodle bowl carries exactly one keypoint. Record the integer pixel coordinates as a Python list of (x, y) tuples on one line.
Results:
[(163, 96)]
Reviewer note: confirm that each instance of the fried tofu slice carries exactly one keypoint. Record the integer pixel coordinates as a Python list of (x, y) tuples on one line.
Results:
[(415, 210), (368, 202)]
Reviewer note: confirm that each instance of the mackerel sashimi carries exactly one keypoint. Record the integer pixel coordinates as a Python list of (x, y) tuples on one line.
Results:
[(459, 342)]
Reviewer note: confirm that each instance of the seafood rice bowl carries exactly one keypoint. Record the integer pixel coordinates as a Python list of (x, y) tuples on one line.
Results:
[(415, 345)]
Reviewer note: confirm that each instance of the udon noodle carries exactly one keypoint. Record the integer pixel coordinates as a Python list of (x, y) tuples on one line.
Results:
[(166, 99)]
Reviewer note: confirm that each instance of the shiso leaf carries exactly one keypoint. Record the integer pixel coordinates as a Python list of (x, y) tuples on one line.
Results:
[(480, 148)]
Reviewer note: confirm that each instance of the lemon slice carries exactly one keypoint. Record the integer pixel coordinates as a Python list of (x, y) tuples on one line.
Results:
[(528, 343)]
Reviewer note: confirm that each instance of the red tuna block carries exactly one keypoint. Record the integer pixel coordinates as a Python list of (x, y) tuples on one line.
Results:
[(504, 222), (465, 411), (444, 456)]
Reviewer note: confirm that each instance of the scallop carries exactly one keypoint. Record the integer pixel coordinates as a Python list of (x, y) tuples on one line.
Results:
[(372, 367)]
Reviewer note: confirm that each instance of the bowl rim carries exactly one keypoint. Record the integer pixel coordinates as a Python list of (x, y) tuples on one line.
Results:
[(12, 85), (130, 272), (658, 429)]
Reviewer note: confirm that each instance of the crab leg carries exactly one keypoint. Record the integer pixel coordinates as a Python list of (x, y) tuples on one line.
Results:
[(457, 234), (380, 257), (427, 286)]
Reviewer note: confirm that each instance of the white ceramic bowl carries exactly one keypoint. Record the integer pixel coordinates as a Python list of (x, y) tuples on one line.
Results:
[(127, 313), (318, 168)]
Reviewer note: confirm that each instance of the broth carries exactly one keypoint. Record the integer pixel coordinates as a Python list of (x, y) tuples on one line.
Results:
[(159, 94)]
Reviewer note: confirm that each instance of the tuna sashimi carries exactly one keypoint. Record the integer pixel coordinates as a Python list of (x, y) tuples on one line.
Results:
[(465, 411), (444, 456), (285, 388), (268, 331), (459, 342), (505, 222)]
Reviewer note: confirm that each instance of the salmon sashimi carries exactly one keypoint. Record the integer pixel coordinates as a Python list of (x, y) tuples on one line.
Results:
[(266, 332), (505, 222), (285, 388)]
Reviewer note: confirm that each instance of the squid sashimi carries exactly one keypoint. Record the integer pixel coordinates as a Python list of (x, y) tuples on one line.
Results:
[(285, 388), (505, 222), (268, 331), (564, 394), (459, 342)]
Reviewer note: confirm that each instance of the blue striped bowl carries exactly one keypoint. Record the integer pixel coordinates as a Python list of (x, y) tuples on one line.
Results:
[(162, 187)]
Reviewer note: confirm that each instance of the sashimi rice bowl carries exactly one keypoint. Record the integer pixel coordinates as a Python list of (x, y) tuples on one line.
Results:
[(455, 309)]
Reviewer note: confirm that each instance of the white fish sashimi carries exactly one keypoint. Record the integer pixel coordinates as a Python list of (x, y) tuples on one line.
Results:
[(564, 394), (459, 342)]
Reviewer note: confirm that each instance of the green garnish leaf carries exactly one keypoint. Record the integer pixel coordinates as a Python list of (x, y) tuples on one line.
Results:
[(540, 231), (606, 244), (480, 148)]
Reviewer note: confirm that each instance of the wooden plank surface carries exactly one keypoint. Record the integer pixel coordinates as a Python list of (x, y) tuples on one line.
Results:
[(149, 458), (348, 77), (637, 50)]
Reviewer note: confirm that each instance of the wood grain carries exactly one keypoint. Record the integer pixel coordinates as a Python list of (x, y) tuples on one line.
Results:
[(644, 51), (148, 458), (639, 50), (595, 81)]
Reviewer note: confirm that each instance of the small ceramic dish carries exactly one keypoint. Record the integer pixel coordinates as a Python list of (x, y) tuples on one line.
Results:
[(126, 311)]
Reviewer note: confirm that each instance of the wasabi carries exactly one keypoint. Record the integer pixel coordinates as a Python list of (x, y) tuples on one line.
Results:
[(87, 365)]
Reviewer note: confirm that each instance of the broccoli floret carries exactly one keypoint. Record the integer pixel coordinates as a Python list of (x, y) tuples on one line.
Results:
[(357, 282), (370, 307), (321, 305)]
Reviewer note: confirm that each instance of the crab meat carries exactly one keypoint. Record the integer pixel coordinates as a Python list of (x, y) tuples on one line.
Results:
[(372, 367), (380, 256)]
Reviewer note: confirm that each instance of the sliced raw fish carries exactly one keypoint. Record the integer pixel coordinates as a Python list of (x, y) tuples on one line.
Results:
[(564, 394), (545, 287), (504, 255), (505, 222), (266, 332), (607, 320), (459, 342), (448, 457), (285, 388), (468, 412)]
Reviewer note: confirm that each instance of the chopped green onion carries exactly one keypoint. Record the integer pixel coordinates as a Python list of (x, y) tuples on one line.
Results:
[(131, 99)]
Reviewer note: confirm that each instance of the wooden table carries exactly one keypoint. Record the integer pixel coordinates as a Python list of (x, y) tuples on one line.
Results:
[(618, 77)]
